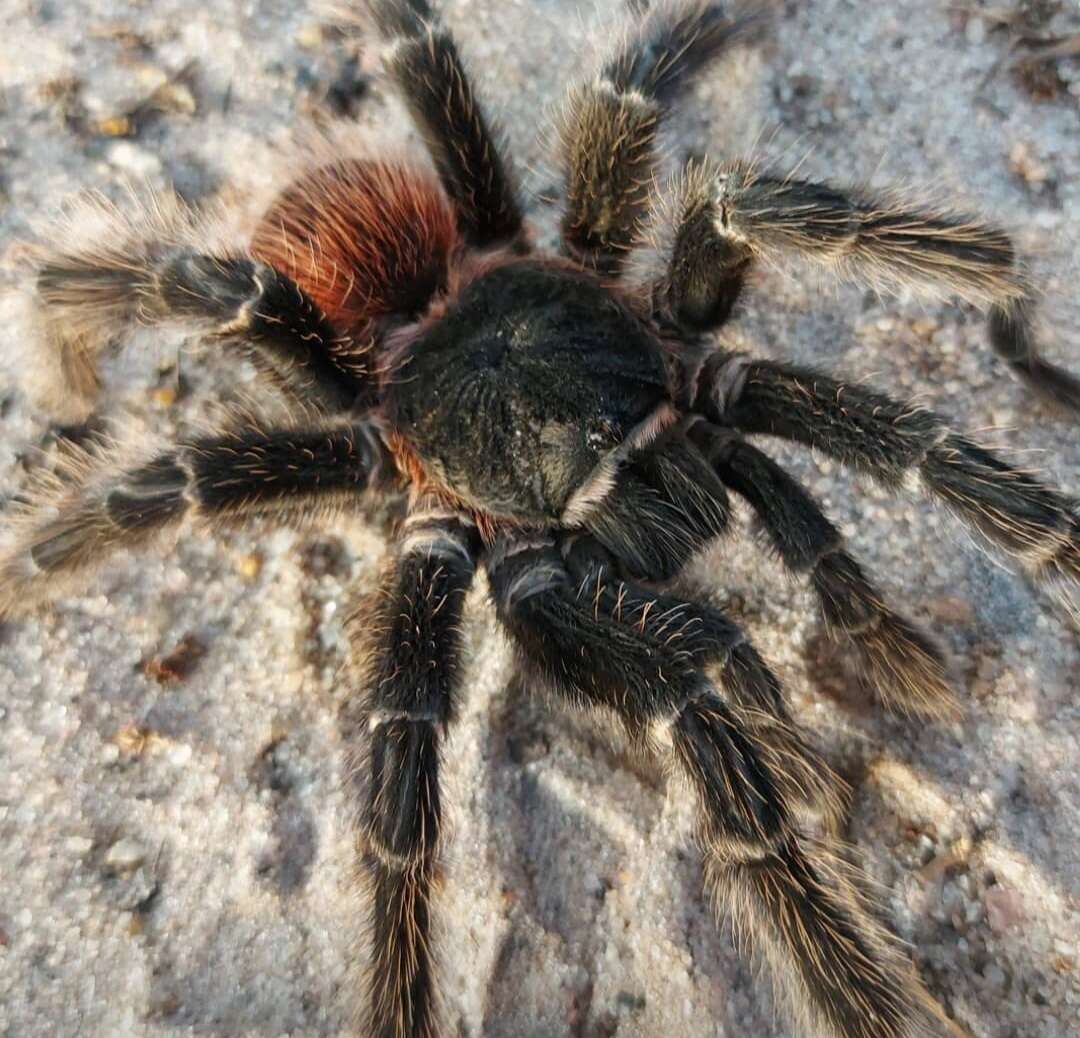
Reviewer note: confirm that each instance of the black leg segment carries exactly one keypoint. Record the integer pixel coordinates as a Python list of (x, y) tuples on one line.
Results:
[(898, 443), (90, 295), (432, 80), (904, 665)]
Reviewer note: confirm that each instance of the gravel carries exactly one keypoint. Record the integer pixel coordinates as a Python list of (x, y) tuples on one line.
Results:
[(173, 851)]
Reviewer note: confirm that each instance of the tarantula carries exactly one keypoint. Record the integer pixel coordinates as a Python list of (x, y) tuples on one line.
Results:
[(575, 432)]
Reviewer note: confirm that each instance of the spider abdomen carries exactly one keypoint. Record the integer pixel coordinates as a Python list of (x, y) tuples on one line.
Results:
[(364, 239), (533, 376)]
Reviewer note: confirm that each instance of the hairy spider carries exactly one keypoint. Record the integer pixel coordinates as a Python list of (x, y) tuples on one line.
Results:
[(574, 428)]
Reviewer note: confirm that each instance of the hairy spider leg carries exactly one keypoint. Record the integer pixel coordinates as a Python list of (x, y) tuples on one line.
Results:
[(900, 444), (906, 669), (146, 266), (608, 126), (424, 63), (406, 696), (101, 501), (664, 504), (727, 215), (703, 636), (621, 650)]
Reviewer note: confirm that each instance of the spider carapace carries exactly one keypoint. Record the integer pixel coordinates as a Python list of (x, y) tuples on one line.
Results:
[(518, 396), (571, 425)]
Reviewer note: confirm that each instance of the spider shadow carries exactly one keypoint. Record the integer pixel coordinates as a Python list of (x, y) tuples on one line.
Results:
[(946, 851), (559, 858), (571, 844), (205, 991), (196, 982)]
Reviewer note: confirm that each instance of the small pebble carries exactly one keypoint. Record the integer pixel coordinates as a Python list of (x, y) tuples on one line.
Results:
[(1004, 909), (133, 160), (1026, 164), (951, 609), (249, 566), (310, 36), (77, 846), (115, 126), (125, 856), (163, 396)]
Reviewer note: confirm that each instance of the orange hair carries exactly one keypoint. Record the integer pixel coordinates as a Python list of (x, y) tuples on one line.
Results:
[(364, 239)]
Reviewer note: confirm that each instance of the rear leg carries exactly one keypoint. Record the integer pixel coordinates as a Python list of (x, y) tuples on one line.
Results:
[(683, 640), (409, 691), (424, 62)]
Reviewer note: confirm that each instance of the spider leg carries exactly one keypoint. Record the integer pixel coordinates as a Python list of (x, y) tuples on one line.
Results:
[(728, 215), (906, 668), (139, 267), (69, 525), (621, 650), (430, 75), (608, 125), (704, 638), (900, 444), (410, 685), (664, 504)]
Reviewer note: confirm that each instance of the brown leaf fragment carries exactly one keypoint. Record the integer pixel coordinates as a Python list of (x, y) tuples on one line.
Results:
[(178, 664), (135, 740)]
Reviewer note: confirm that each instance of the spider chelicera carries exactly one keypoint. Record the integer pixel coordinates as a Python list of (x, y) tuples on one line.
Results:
[(575, 432)]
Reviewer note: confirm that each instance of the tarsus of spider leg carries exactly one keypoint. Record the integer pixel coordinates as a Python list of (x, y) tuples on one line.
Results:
[(791, 897), (106, 499), (893, 441), (905, 667), (675, 40), (835, 967)]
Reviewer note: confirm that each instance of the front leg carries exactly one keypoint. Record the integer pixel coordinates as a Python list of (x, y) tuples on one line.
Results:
[(410, 684), (104, 500), (726, 217)]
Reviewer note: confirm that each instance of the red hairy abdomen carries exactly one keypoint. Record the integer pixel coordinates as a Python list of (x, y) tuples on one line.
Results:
[(364, 239)]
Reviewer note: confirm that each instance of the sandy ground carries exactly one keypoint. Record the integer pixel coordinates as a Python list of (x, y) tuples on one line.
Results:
[(172, 851)]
